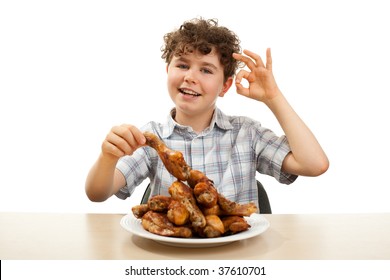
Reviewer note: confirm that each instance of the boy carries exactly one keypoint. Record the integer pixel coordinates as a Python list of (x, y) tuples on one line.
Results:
[(202, 59)]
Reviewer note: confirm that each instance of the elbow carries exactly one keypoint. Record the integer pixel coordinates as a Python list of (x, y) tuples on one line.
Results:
[(95, 197), (320, 167), (313, 167)]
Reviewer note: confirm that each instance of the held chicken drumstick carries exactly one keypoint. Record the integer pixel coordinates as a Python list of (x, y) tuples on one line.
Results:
[(173, 160)]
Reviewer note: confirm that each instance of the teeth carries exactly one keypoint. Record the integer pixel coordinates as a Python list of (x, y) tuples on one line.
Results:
[(190, 92)]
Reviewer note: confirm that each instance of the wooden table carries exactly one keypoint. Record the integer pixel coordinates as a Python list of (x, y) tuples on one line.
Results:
[(44, 236)]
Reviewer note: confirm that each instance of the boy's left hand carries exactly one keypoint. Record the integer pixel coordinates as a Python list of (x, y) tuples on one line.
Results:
[(262, 85)]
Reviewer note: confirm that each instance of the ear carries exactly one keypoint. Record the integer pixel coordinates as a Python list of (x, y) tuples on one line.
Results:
[(226, 86), (167, 67)]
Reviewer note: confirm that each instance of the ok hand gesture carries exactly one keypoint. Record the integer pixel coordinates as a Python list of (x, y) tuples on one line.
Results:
[(262, 85)]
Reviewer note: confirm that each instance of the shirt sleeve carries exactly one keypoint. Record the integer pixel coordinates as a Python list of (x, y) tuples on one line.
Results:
[(135, 169), (270, 152)]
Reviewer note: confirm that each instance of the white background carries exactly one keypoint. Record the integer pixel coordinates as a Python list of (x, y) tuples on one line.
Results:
[(70, 70)]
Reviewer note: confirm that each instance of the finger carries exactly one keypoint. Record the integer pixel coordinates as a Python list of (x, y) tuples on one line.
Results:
[(248, 62), (123, 137), (131, 141), (269, 60), (138, 135), (109, 148), (255, 57), (132, 135), (120, 143), (123, 134), (242, 74)]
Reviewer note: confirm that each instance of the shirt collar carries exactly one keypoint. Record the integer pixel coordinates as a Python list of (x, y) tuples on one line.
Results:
[(219, 119)]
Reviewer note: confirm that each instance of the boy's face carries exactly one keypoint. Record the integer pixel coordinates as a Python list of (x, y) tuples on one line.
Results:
[(195, 81)]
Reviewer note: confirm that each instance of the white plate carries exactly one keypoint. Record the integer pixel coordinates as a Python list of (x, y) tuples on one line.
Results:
[(257, 222)]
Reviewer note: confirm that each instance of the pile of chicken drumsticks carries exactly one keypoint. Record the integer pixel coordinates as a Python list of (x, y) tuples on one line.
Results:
[(192, 209)]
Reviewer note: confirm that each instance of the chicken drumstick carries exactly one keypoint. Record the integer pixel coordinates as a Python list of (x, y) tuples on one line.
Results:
[(173, 160), (158, 223)]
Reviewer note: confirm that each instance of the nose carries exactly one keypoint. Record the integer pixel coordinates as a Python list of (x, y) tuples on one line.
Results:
[(190, 76)]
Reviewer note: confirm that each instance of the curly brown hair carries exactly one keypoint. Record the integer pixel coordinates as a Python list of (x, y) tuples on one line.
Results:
[(203, 36)]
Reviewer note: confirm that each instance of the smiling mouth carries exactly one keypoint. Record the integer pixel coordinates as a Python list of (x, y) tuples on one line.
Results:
[(189, 92)]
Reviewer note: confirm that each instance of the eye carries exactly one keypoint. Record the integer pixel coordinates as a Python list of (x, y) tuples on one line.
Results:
[(182, 66), (206, 71)]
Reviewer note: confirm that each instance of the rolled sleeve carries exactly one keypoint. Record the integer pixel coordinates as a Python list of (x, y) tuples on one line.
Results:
[(135, 169), (271, 151)]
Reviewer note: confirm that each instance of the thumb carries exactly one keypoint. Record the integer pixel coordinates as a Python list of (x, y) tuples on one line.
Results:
[(240, 89)]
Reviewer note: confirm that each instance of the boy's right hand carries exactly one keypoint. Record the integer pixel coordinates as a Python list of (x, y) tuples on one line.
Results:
[(122, 140)]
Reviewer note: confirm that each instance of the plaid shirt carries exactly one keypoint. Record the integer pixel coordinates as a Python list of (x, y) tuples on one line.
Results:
[(229, 152)]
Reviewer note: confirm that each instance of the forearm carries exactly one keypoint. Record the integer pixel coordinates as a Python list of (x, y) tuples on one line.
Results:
[(307, 157), (99, 185)]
